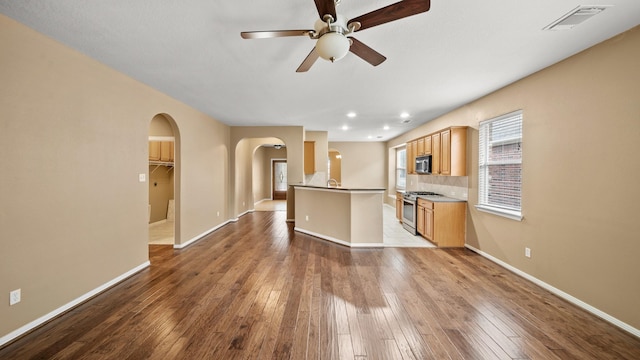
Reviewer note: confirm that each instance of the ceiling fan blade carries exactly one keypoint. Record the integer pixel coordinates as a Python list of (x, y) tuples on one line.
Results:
[(392, 12), (308, 61), (274, 34), (366, 53), (326, 7)]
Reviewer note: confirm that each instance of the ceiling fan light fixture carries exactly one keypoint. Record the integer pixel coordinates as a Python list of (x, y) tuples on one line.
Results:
[(332, 46)]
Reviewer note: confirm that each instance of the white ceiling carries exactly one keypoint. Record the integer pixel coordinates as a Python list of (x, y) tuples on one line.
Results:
[(436, 61)]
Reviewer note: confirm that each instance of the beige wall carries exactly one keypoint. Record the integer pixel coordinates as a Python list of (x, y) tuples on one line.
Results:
[(74, 138), (363, 163), (580, 176)]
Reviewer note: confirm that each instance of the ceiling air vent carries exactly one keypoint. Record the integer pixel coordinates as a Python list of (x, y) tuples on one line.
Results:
[(575, 17), (405, 121)]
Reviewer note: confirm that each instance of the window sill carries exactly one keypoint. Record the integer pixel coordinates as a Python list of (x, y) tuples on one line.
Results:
[(509, 214)]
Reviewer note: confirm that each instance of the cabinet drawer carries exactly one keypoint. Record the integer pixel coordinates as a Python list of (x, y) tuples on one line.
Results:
[(425, 203)]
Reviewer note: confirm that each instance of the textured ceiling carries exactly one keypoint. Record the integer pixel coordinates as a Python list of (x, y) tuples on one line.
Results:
[(436, 61)]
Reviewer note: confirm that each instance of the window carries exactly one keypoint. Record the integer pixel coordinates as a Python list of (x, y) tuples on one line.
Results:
[(500, 166), (401, 168)]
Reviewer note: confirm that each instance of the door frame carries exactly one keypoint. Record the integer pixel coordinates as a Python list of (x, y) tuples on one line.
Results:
[(273, 182)]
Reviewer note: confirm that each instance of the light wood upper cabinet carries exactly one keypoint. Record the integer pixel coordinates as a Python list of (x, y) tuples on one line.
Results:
[(435, 154), (445, 152), (154, 150), (161, 151), (448, 150), (453, 155), (309, 157), (423, 146), (412, 148), (166, 151), (427, 145)]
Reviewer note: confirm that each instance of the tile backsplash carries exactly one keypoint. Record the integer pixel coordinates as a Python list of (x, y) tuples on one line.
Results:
[(456, 187)]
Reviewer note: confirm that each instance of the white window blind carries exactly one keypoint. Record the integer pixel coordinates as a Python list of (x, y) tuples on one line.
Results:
[(500, 166), (401, 168)]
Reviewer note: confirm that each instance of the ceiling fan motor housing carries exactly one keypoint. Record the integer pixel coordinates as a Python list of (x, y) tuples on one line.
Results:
[(332, 43)]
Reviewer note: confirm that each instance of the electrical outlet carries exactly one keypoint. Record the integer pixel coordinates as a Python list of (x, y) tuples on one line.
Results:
[(527, 252), (142, 177), (218, 213), (306, 217), (14, 297)]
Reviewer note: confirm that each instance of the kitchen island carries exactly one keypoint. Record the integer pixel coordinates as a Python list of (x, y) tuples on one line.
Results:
[(347, 216)]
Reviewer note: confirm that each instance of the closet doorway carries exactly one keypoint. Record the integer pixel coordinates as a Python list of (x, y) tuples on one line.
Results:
[(162, 157)]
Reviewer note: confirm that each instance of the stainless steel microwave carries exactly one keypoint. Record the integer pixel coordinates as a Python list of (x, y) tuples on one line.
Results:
[(423, 164)]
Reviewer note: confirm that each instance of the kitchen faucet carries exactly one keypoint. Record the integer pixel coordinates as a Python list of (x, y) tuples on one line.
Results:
[(329, 182)]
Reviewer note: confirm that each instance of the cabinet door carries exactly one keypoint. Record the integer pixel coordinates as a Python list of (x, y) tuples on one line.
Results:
[(154, 150), (427, 145), (420, 146), (445, 152), (421, 220), (309, 157), (166, 151), (435, 154), (399, 209), (428, 224), (411, 157)]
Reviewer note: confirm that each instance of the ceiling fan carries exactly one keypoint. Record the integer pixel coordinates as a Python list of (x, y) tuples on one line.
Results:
[(332, 31)]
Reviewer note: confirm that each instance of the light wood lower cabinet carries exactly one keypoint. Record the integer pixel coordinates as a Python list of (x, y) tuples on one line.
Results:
[(421, 218), (442, 223), (399, 206)]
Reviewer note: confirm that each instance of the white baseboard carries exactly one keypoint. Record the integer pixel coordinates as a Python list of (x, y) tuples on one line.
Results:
[(43, 319), (595, 311), (198, 237), (338, 241)]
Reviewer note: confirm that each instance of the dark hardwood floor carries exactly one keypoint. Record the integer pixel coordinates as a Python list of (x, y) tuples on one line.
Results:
[(256, 289)]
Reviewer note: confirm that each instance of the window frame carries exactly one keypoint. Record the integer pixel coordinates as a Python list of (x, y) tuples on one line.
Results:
[(398, 167), (514, 213)]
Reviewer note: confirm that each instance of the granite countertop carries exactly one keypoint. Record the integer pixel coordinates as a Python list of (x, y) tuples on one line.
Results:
[(340, 188), (439, 198)]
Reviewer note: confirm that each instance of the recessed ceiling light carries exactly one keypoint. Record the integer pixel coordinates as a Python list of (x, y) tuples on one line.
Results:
[(351, 114), (345, 127), (369, 137), (386, 127), (404, 115)]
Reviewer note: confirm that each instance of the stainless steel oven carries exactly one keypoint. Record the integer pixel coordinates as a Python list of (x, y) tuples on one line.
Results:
[(409, 213)]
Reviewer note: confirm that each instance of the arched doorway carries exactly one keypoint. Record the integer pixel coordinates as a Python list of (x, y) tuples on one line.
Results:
[(163, 177), (269, 178)]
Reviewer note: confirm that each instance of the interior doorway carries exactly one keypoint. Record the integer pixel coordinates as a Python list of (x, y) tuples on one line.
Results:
[(279, 180), (162, 179)]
